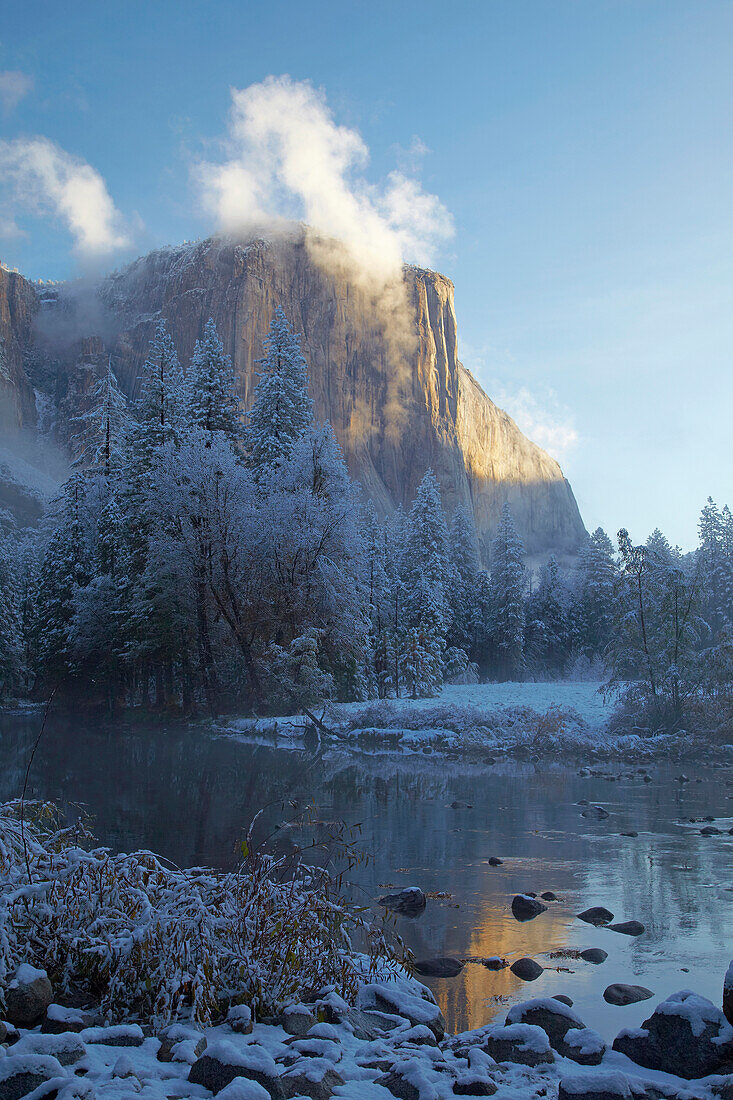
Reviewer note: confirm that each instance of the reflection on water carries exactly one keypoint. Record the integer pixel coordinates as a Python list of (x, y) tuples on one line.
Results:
[(190, 796)]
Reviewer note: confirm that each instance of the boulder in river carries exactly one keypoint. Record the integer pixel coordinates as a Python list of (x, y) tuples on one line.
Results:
[(548, 895), (409, 902), (686, 1035), (597, 915), (628, 928), (621, 994), (495, 962), (494, 861), (457, 805), (527, 969), (595, 955), (444, 967), (526, 908), (597, 813)]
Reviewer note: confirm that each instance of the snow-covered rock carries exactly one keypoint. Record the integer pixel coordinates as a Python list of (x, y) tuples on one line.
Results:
[(583, 1045), (27, 996), (20, 1074), (525, 1044), (554, 1017), (223, 1062), (66, 1049), (685, 1035), (399, 997)]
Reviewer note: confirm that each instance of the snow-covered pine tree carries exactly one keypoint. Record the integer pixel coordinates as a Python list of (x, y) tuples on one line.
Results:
[(593, 607), (11, 638), (462, 589), (158, 409), (210, 401), (103, 430), (508, 579), (391, 681), (548, 634), (282, 410), (716, 565), (426, 576), (66, 568)]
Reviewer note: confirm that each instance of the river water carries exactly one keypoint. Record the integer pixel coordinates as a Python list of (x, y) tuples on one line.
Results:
[(186, 794)]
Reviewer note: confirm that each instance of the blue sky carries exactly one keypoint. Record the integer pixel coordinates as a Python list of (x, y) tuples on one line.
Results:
[(583, 150)]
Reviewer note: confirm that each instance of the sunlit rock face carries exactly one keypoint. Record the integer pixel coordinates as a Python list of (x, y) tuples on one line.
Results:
[(383, 363)]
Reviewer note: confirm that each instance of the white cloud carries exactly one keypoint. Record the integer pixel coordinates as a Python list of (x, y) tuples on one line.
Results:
[(43, 178), (288, 159), (542, 418), (14, 86)]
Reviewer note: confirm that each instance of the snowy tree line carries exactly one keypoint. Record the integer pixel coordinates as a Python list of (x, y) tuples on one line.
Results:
[(197, 558)]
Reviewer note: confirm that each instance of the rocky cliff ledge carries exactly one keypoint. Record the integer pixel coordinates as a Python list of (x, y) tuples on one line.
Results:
[(383, 361)]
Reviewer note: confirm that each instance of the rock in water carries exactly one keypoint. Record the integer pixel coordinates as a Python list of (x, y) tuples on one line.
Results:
[(621, 994), (494, 861), (384, 368), (525, 907), (595, 955), (686, 1035), (628, 928), (409, 902), (597, 813), (527, 969), (446, 967), (597, 915)]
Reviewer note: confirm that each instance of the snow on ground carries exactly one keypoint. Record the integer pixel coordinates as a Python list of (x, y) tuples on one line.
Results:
[(548, 717), (325, 1049), (584, 697)]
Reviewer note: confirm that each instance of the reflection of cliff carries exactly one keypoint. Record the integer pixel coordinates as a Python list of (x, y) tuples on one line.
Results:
[(470, 1000)]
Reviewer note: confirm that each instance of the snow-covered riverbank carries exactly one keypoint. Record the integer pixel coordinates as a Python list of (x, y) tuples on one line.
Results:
[(389, 1043), (560, 719)]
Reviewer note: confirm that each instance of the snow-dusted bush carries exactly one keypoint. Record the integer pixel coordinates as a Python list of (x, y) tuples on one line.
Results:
[(151, 941)]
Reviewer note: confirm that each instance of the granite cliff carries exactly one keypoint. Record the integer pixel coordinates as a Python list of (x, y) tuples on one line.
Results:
[(383, 362)]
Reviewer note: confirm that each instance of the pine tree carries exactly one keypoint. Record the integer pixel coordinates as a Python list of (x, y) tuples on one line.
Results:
[(103, 430), (66, 568), (11, 638), (210, 400), (594, 598), (507, 598), (462, 589), (426, 576), (548, 633), (158, 410), (281, 411)]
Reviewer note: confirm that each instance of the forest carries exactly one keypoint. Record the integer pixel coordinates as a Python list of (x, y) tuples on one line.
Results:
[(200, 560)]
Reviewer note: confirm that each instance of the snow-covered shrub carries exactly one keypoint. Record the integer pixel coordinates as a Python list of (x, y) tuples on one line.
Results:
[(151, 941)]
